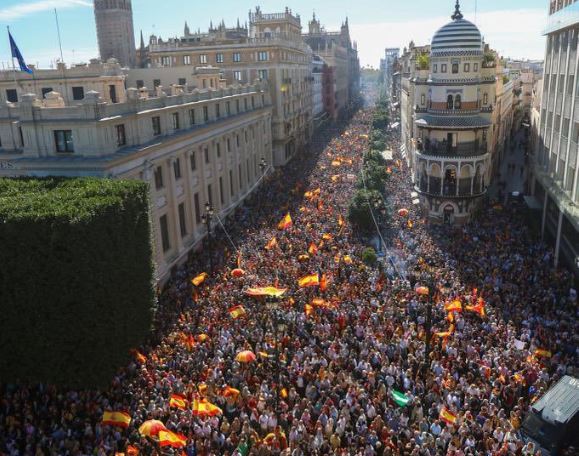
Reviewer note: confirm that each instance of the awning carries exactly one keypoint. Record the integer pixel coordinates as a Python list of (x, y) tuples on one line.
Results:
[(414, 195), (416, 201), (533, 203), (457, 122), (395, 125)]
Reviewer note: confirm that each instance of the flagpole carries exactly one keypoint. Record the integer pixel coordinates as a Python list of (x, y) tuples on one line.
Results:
[(61, 57), (16, 88)]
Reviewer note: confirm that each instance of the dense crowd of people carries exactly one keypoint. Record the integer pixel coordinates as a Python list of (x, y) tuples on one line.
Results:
[(331, 361)]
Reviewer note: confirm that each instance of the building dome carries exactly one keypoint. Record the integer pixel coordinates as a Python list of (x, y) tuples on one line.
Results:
[(459, 35)]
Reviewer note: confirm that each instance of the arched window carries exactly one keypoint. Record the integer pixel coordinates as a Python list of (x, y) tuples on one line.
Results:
[(457, 102), (450, 102)]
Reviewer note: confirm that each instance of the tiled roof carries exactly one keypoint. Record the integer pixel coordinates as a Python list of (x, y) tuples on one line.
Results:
[(453, 121)]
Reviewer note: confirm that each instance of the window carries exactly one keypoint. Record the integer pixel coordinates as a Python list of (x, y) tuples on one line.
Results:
[(237, 105), (45, 91), (240, 183), (156, 83), (12, 95), (237, 57), (156, 121), (467, 67), (182, 220), (443, 68), (231, 189), (228, 145), (166, 60), (209, 195), (221, 196), (204, 83), (158, 178), (203, 58), (262, 56), (186, 60), (206, 152), (165, 242), (237, 140), (423, 99), (78, 93), (218, 150), (63, 140), (217, 111), (435, 68), (192, 117), (197, 208), (219, 57), (237, 75), (454, 68), (457, 102), (228, 108), (175, 118), (182, 81), (262, 74), (177, 168), (245, 104), (140, 83), (485, 98), (193, 161), (205, 113), (475, 67), (252, 103), (450, 102), (121, 136)]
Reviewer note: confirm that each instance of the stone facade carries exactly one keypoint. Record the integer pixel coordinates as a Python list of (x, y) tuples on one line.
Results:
[(191, 147), (270, 48)]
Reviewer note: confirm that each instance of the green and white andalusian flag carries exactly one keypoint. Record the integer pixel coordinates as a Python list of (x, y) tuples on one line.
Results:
[(400, 398)]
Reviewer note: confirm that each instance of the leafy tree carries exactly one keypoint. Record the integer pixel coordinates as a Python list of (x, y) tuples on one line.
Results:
[(369, 256), (359, 211)]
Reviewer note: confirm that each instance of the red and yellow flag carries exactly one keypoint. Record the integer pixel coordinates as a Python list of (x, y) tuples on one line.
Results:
[(139, 356), (188, 340), (172, 439), (120, 419), (266, 291), (312, 280), (202, 407), (132, 450), (308, 309), (323, 282), (313, 249), (272, 244), (237, 312), (285, 223), (447, 416), (454, 306), (199, 279), (228, 391), (178, 401), (479, 308), (542, 353), (340, 220)]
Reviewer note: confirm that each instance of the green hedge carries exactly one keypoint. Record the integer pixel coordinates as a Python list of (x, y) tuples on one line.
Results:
[(76, 278)]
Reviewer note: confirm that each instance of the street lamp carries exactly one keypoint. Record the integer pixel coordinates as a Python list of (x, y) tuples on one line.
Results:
[(262, 165), (207, 217)]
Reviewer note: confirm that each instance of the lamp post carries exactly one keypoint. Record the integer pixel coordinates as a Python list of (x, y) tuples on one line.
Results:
[(207, 217)]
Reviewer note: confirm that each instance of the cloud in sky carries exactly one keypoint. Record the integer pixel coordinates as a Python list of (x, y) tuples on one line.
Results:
[(14, 12), (513, 33)]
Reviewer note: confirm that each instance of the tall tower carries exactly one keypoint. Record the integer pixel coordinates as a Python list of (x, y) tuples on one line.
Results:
[(115, 33)]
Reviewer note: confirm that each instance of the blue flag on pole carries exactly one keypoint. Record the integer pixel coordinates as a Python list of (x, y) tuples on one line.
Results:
[(17, 55)]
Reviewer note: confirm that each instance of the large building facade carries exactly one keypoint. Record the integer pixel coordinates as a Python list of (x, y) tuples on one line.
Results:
[(555, 182), (271, 48), (451, 113), (192, 147), (341, 58), (115, 32)]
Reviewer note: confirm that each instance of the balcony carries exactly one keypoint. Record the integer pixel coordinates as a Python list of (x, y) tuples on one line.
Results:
[(464, 187), (445, 149)]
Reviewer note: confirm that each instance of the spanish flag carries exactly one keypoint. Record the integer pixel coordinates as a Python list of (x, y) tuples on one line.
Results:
[(323, 282), (308, 309), (199, 279), (447, 416), (204, 408), (178, 401), (120, 419), (283, 393), (188, 340), (237, 311), (139, 356), (479, 308), (454, 306), (312, 249), (172, 439), (541, 353), (228, 391), (132, 450), (312, 280), (271, 244), (285, 223)]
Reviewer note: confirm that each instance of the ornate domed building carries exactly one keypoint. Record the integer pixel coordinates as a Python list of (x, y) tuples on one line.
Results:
[(448, 108)]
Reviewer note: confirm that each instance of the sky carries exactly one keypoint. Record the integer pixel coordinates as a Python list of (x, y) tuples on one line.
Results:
[(512, 27)]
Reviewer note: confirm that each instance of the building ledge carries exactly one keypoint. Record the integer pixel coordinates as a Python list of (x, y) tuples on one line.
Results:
[(562, 199)]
